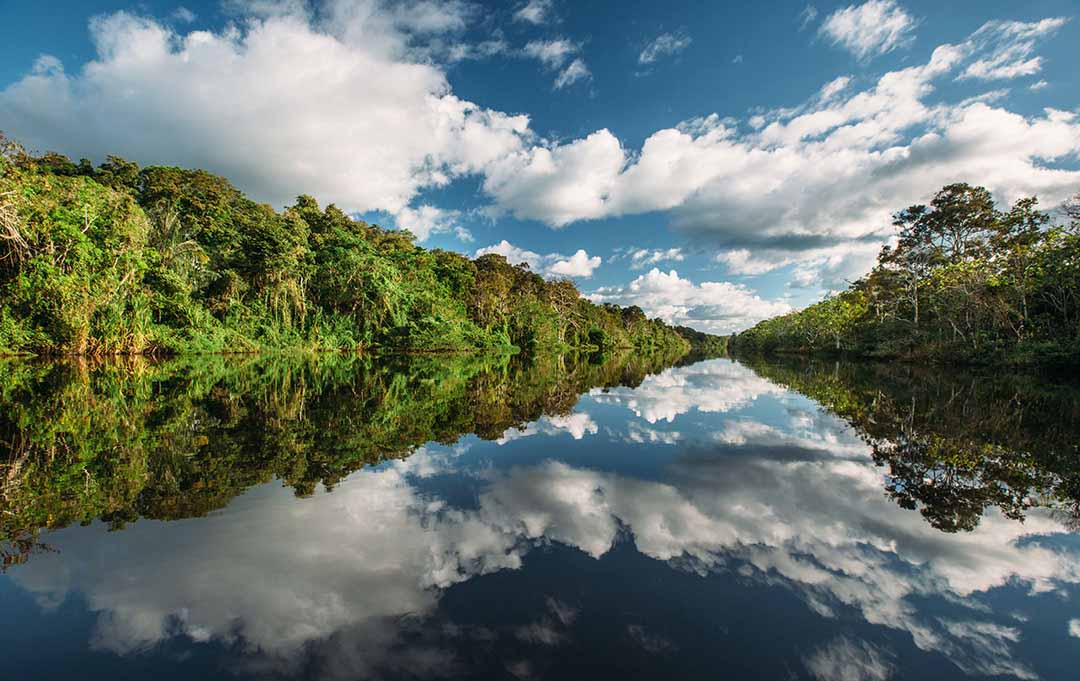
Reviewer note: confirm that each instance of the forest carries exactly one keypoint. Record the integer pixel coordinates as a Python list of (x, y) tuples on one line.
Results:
[(118, 259), (964, 282)]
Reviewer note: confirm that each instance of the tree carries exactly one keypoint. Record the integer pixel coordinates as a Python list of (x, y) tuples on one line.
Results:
[(963, 282), (1071, 209)]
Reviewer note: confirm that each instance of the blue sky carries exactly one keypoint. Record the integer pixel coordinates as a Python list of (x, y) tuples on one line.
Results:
[(748, 154)]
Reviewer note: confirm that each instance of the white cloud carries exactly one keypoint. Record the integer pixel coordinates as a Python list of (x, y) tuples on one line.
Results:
[(534, 12), (808, 16), (580, 264), (347, 104), (550, 265), (804, 432), (183, 15), (428, 16), (715, 307), (464, 235), (738, 59), (1038, 85), (576, 425), (425, 220), (826, 269), (637, 433), (714, 386), (806, 182), (574, 71), (741, 262), (1008, 47), (1074, 628), (641, 258), (360, 559), (870, 29), (554, 54), (551, 53), (844, 659), (833, 88), (664, 45), (280, 103), (481, 50)]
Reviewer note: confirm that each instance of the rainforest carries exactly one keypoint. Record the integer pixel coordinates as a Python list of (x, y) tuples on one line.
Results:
[(118, 259), (962, 282)]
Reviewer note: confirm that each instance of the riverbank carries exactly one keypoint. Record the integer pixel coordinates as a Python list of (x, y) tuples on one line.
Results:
[(120, 259)]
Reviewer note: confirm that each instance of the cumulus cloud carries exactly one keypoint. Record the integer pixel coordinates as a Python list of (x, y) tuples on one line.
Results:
[(576, 425), (714, 386), (870, 29), (804, 432), (715, 307), (664, 45), (807, 182), (425, 220), (281, 103), (1074, 628), (580, 264), (535, 12), (348, 104), (1009, 48), (358, 560), (550, 265)]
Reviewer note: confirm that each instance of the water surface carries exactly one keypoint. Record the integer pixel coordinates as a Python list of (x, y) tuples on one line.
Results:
[(343, 518)]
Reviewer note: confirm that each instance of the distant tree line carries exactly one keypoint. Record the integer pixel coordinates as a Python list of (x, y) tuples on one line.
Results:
[(119, 259), (965, 282)]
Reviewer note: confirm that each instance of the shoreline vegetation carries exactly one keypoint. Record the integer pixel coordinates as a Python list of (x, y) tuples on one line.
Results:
[(121, 438), (965, 283), (117, 439), (122, 260)]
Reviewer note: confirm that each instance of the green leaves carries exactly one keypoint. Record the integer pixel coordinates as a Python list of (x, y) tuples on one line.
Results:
[(964, 283), (120, 259)]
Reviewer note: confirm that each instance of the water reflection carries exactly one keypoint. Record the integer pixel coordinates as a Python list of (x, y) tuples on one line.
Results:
[(703, 516), (954, 444), (178, 439)]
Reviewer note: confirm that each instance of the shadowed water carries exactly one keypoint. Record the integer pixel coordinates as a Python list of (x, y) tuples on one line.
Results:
[(336, 517)]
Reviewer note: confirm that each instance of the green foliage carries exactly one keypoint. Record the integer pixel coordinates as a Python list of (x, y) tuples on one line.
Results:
[(124, 438), (118, 259), (953, 443), (965, 283)]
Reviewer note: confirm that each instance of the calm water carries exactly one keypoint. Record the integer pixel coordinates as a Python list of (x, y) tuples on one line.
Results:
[(335, 518)]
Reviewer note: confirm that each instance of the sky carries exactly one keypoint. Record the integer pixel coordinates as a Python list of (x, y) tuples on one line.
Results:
[(714, 163)]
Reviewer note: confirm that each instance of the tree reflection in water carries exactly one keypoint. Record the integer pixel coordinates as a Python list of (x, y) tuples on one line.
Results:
[(954, 443), (619, 532), (124, 439)]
